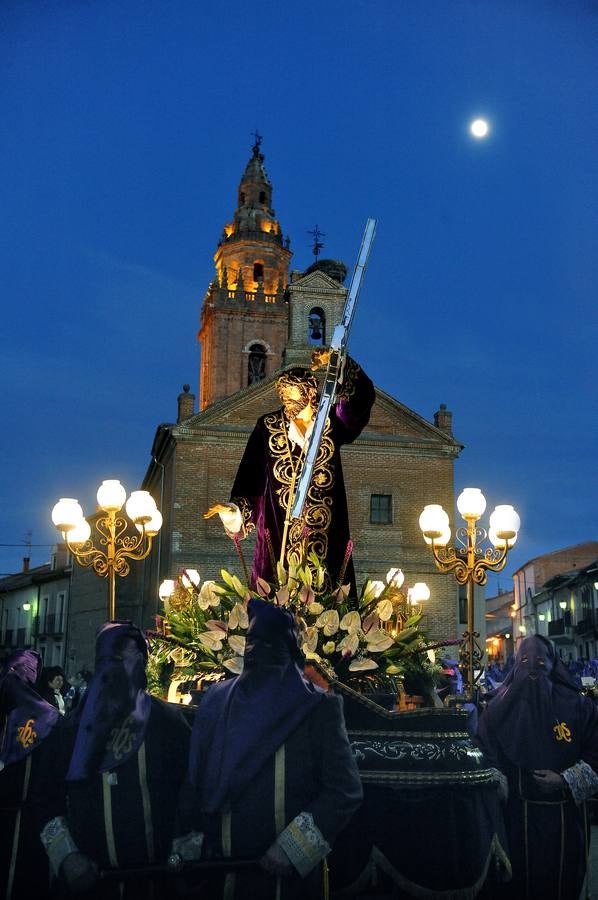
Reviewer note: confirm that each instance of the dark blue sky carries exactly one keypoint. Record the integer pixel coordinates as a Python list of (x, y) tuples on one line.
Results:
[(126, 127)]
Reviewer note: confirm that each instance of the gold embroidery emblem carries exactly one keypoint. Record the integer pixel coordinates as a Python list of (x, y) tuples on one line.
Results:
[(310, 532), (562, 732), (121, 739), (25, 734)]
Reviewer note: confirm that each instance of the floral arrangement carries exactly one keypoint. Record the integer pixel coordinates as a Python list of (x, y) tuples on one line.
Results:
[(371, 642)]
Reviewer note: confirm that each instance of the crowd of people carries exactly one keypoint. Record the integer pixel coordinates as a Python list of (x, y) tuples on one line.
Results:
[(95, 799), (99, 790)]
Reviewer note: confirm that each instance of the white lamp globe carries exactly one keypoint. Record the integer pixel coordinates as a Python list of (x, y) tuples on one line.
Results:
[(166, 589), (433, 521), (190, 577), (471, 503), (395, 577), (141, 506), (152, 526), (505, 522), (441, 541), (419, 593), (67, 513), (111, 495), (80, 533), (501, 542)]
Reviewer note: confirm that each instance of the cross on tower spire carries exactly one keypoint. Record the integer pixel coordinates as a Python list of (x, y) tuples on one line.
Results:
[(318, 244), (258, 142)]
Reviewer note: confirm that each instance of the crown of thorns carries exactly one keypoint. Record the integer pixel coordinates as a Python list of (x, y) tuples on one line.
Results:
[(297, 377)]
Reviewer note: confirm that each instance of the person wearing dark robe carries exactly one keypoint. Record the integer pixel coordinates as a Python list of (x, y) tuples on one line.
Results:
[(26, 723), (123, 760), (271, 464), (271, 774), (542, 734)]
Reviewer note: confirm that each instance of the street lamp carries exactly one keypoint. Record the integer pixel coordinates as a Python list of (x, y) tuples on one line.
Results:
[(141, 509), (395, 603), (470, 561)]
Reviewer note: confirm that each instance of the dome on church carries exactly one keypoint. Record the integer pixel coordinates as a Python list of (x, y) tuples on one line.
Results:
[(334, 268)]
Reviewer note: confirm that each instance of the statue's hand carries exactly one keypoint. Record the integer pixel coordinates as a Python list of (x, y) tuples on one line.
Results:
[(218, 508), (320, 358), (230, 516)]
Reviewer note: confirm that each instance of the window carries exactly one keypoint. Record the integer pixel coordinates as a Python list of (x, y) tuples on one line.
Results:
[(262, 197), (316, 327), (258, 271), (60, 612), (381, 509), (256, 365)]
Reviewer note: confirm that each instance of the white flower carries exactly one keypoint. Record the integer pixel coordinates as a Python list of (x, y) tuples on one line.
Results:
[(237, 643), (328, 621), (315, 608), (351, 622), (234, 664), (378, 640), (431, 656), (208, 596), (361, 665), (328, 648), (349, 644), (384, 610), (238, 617), (212, 639), (310, 638)]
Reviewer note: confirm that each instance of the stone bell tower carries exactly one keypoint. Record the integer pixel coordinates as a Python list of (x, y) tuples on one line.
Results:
[(244, 318)]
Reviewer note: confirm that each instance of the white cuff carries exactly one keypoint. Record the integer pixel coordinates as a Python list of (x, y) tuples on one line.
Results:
[(232, 519), (58, 842), (188, 846), (303, 843), (581, 780)]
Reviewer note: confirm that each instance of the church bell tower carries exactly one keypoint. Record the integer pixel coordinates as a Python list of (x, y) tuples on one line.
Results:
[(244, 317)]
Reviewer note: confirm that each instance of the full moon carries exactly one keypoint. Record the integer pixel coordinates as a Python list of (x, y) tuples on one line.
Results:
[(479, 128)]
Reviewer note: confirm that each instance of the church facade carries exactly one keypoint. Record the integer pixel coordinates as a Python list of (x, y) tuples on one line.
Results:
[(259, 316)]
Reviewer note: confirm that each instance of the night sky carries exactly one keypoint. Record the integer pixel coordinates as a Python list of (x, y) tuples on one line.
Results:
[(126, 127)]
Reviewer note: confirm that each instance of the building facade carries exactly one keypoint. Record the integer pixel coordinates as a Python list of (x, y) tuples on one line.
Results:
[(34, 606), (556, 595)]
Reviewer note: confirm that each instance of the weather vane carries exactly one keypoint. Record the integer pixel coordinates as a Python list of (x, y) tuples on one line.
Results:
[(317, 234), (258, 142)]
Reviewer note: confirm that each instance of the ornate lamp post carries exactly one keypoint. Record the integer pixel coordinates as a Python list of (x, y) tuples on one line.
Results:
[(406, 602), (470, 561), (113, 560)]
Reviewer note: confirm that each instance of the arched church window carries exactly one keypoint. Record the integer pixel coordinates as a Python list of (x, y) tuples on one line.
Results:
[(258, 271), (316, 327), (242, 197), (262, 197), (256, 366)]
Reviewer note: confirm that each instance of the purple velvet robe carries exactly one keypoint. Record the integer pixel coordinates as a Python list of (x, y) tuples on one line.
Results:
[(263, 483)]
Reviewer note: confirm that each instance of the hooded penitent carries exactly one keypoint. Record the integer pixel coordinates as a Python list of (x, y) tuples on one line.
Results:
[(242, 722), (114, 715), (533, 715), (25, 717)]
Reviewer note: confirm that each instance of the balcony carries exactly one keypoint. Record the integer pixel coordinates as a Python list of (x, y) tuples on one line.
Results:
[(560, 630)]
